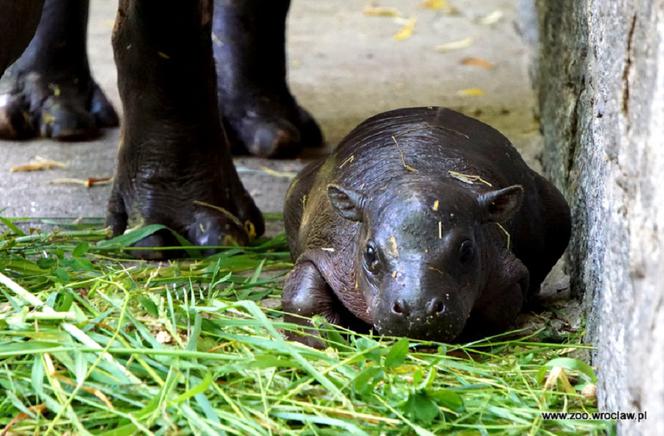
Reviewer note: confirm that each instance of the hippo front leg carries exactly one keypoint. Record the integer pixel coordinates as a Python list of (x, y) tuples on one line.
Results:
[(306, 293), (174, 166)]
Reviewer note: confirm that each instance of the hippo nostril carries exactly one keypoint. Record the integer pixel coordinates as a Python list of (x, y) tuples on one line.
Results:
[(435, 307), (400, 308)]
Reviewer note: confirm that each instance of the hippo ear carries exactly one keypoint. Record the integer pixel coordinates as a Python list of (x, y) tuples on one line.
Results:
[(347, 203), (502, 204)]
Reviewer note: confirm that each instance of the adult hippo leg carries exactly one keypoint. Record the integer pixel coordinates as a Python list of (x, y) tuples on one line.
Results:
[(52, 92), (260, 114), (174, 165), (18, 22), (306, 293)]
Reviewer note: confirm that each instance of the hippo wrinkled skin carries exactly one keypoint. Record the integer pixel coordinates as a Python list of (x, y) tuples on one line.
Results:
[(423, 223)]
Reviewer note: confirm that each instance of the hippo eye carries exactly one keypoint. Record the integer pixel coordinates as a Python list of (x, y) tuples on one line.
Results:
[(371, 258), (466, 252)]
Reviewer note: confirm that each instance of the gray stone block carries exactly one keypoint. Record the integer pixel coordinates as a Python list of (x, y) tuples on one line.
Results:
[(600, 78)]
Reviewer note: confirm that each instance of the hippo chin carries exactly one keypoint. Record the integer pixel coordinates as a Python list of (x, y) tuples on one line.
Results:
[(423, 223)]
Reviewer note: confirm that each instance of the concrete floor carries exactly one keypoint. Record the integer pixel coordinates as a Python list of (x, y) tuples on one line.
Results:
[(344, 67)]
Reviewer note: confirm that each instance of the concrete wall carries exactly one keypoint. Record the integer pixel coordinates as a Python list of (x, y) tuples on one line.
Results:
[(600, 77)]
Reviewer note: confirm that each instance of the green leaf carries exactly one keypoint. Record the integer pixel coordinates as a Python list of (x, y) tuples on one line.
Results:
[(46, 262), (81, 249), (132, 237), (15, 230), (397, 354), (348, 427), (447, 399), (148, 305), (375, 351), (329, 333), (367, 379), (37, 376), (266, 360), (198, 389), (62, 274), (64, 301), (420, 407), (80, 367)]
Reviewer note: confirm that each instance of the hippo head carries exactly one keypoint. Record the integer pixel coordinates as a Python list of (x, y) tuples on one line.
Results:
[(425, 252)]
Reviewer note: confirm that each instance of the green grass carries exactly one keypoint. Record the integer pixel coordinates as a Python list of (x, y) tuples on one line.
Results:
[(92, 341)]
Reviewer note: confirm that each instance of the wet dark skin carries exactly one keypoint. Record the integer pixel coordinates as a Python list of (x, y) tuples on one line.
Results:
[(390, 233), (52, 92), (174, 164)]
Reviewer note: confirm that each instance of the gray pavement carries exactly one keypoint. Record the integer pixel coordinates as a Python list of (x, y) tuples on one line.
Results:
[(344, 67)]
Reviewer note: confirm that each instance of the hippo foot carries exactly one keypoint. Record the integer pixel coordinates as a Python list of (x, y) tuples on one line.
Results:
[(199, 205), (63, 106), (260, 114), (270, 126)]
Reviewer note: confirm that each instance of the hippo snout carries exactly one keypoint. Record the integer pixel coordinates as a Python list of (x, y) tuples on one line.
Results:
[(435, 307), (429, 318)]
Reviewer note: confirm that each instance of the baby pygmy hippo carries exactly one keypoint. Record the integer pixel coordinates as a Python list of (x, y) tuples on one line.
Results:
[(423, 223)]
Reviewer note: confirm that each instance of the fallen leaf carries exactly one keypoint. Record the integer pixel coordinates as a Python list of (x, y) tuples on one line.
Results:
[(492, 18), (381, 11), (435, 4), (275, 173), (406, 31), (440, 5), (454, 45), (88, 183), (470, 92), (477, 62), (39, 164)]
